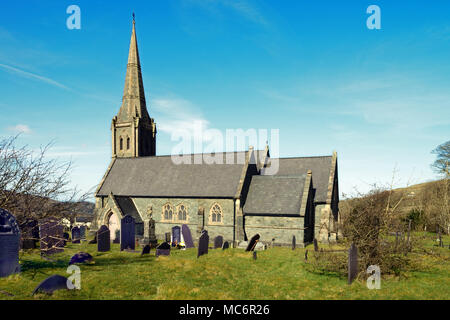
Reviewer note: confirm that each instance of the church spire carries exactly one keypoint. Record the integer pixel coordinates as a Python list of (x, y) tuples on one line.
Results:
[(133, 101), (133, 131)]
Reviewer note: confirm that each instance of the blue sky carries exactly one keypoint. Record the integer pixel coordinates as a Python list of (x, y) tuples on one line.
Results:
[(311, 69)]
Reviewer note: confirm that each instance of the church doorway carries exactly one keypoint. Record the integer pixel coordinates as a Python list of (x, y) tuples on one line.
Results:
[(114, 227)]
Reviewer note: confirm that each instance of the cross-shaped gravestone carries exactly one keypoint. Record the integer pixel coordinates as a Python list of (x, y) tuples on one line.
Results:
[(352, 263), (187, 236), (127, 233), (103, 239), (9, 244), (203, 244), (218, 242)]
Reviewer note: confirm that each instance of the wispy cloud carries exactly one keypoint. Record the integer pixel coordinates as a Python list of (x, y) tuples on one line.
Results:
[(34, 76), (20, 128), (176, 114)]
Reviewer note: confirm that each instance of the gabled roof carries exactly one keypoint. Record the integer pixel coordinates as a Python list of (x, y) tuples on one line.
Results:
[(127, 207), (276, 195), (160, 176), (321, 169)]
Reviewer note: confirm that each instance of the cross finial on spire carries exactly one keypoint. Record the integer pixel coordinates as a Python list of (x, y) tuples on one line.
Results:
[(134, 18)]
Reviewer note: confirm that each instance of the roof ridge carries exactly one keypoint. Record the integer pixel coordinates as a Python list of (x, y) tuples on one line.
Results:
[(310, 157)]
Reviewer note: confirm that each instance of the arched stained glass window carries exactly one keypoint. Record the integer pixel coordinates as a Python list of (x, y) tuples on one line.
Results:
[(216, 213), (182, 212), (168, 212)]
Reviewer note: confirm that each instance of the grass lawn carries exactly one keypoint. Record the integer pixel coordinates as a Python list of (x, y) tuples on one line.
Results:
[(278, 273)]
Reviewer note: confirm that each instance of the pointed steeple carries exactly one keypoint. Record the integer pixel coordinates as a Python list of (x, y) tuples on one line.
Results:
[(133, 101), (133, 131)]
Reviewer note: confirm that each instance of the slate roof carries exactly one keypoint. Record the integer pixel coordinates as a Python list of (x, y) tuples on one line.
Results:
[(159, 176), (127, 207), (320, 167), (279, 195)]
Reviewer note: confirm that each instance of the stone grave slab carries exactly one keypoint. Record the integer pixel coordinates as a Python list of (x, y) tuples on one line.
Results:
[(9, 244)]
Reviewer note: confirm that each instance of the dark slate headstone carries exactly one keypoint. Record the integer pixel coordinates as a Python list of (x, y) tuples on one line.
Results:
[(127, 233), (9, 244), (254, 255), (187, 236), (83, 232), (80, 257), (163, 249), (76, 235), (352, 263), (306, 255), (176, 236), (146, 249), (316, 245), (226, 245), (293, 243), (52, 237), (203, 244), (103, 239), (52, 283), (168, 237), (252, 243), (218, 242)]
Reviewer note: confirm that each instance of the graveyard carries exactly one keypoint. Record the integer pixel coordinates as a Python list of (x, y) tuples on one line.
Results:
[(234, 273)]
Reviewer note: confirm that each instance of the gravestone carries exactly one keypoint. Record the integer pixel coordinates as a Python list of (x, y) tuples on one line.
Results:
[(218, 242), (83, 232), (52, 238), (153, 241), (9, 244), (316, 246), (163, 249), (203, 243), (254, 255), (176, 236), (243, 245), (117, 238), (352, 263), (168, 237), (93, 241), (146, 249), (103, 239), (293, 243), (187, 236), (252, 243), (76, 235), (226, 245), (306, 255), (66, 237), (259, 246), (80, 257), (127, 233), (52, 283)]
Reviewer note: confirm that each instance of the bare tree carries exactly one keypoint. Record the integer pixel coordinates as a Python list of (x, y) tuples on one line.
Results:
[(442, 163), (34, 187)]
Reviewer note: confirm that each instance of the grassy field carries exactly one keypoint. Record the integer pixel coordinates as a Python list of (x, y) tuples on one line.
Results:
[(278, 273)]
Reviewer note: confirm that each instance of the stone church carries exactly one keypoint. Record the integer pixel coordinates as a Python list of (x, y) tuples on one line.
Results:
[(236, 200)]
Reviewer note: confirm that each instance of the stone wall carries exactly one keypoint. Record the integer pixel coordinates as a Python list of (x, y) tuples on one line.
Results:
[(195, 221), (280, 228)]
